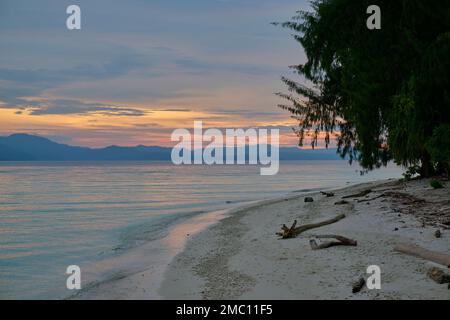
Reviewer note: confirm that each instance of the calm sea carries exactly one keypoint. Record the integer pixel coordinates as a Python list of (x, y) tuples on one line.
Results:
[(56, 214)]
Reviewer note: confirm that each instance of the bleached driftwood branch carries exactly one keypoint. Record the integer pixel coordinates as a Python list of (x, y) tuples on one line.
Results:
[(341, 241), (294, 231), (416, 251)]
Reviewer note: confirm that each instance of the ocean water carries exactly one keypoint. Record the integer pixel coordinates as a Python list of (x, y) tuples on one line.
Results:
[(56, 214)]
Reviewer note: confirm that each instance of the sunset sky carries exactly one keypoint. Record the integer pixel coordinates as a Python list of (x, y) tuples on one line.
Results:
[(140, 68)]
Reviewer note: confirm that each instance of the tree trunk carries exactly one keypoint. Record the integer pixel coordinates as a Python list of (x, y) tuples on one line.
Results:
[(426, 169)]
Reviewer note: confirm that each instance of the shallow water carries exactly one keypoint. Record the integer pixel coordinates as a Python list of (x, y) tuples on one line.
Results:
[(55, 214)]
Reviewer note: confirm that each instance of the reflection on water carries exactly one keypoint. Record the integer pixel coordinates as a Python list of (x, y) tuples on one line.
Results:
[(56, 214)]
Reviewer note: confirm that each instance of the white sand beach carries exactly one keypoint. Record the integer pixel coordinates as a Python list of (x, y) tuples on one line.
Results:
[(237, 254), (241, 257)]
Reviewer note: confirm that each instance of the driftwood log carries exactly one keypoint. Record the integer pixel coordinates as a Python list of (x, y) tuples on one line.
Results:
[(341, 202), (416, 251), (294, 231), (374, 198), (359, 194), (341, 241)]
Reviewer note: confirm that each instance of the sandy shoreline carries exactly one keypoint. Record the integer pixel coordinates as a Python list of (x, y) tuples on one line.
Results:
[(144, 284), (240, 257)]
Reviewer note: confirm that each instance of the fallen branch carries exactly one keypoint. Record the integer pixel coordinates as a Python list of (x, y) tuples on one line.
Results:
[(342, 241), (416, 251), (371, 199), (388, 189), (294, 231), (444, 226), (289, 232), (341, 202), (359, 194)]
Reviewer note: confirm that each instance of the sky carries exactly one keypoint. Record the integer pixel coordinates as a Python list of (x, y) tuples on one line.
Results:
[(139, 69)]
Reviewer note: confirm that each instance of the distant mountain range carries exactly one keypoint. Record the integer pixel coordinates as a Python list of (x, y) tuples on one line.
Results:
[(25, 147)]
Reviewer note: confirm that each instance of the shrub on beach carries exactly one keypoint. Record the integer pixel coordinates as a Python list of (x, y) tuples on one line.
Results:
[(436, 184)]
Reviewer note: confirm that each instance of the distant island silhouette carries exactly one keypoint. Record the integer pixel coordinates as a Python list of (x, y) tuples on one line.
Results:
[(26, 147)]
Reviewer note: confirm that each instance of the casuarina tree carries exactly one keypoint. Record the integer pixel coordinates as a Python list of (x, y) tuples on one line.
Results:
[(385, 92)]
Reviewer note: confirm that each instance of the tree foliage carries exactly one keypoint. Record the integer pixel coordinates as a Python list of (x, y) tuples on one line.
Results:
[(384, 91)]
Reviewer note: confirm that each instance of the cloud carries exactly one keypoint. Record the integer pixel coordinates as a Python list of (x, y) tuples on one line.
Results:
[(18, 85), (46, 78), (200, 66), (174, 110), (65, 106), (217, 58), (248, 113)]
